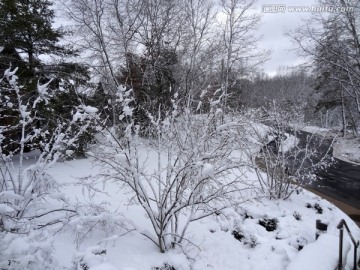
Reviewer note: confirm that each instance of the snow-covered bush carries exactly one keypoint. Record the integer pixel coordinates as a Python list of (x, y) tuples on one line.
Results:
[(30, 199), (27, 189), (238, 235), (164, 267), (185, 172), (288, 156), (270, 224), (91, 259), (31, 251), (93, 217)]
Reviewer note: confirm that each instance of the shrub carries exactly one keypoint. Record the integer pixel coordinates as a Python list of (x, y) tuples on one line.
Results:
[(270, 224), (238, 235), (164, 267), (297, 215)]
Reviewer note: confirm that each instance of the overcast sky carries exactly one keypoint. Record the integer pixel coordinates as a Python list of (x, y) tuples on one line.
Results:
[(272, 29)]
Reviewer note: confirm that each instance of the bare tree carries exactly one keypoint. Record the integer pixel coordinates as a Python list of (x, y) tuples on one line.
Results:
[(105, 31), (198, 49), (291, 85), (333, 43), (288, 157), (239, 51), (113, 30)]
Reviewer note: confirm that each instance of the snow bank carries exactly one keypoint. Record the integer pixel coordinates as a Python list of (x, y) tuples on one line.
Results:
[(209, 243), (320, 255), (316, 130), (5, 209), (289, 143), (347, 149), (93, 258)]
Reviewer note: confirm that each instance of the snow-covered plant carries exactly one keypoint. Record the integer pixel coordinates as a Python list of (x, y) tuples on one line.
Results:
[(97, 217), (288, 157), (31, 251), (93, 257), (24, 186), (186, 171)]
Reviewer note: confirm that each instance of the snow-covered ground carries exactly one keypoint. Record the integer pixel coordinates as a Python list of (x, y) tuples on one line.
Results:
[(346, 149), (255, 233), (233, 240)]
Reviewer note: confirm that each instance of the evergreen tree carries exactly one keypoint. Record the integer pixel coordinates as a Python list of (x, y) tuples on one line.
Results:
[(27, 26), (27, 34), (153, 81), (102, 101), (331, 53)]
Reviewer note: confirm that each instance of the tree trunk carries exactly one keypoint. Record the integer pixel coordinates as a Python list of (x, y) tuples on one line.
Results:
[(343, 113)]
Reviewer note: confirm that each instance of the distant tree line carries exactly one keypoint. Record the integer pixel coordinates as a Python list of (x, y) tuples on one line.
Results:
[(333, 44), (194, 51)]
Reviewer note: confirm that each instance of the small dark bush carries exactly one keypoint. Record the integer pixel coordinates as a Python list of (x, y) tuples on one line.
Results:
[(270, 224), (301, 242), (297, 215), (84, 265), (164, 267), (318, 208), (252, 241), (237, 235)]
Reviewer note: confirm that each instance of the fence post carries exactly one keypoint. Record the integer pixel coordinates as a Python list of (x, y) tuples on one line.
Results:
[(341, 248), (355, 259), (321, 228)]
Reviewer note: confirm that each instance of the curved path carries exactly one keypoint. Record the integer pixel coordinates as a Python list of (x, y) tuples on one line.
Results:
[(341, 181)]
